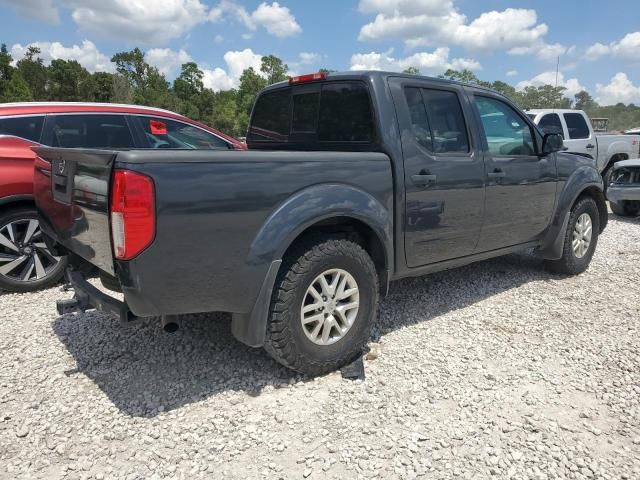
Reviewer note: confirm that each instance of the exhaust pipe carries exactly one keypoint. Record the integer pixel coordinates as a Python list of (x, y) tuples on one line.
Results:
[(169, 323)]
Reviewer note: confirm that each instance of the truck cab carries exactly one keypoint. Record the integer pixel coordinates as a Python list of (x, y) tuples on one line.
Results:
[(581, 138)]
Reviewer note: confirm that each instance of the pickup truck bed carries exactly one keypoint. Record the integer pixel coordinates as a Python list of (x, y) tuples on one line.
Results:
[(351, 180)]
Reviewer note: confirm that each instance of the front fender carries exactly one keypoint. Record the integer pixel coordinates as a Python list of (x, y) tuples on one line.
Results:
[(582, 178), (312, 205)]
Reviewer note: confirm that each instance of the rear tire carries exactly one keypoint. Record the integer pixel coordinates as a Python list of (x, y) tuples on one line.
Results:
[(581, 239), (625, 208), (315, 336), (25, 262)]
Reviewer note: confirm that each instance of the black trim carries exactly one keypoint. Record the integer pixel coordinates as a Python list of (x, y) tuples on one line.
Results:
[(16, 199), (88, 297)]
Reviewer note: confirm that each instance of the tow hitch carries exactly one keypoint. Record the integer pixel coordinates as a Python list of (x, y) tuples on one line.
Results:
[(88, 297)]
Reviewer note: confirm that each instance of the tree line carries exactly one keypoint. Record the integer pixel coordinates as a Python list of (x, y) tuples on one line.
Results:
[(136, 81)]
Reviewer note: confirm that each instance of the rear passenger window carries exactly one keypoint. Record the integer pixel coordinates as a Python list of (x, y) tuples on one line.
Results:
[(305, 112), (576, 126), (165, 133), (271, 118), (88, 131), (29, 128), (345, 113), (437, 120), (332, 112)]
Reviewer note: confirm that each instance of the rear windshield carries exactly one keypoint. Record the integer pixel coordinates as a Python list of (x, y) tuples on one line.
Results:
[(322, 115)]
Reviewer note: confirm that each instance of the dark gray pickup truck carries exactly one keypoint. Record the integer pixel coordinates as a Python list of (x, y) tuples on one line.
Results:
[(351, 180)]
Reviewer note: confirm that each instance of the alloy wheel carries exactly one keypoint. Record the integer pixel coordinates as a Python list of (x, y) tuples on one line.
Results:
[(330, 306), (582, 234), (24, 257)]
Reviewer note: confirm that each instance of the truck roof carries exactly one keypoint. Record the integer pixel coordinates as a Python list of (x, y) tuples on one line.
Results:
[(553, 110), (364, 75)]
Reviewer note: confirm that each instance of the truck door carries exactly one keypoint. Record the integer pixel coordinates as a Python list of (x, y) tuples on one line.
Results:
[(579, 137), (443, 175), (521, 185)]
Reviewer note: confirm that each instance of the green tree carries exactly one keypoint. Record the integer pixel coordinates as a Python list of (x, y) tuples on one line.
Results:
[(505, 89), (584, 101), (411, 70), (545, 96), (121, 89), (465, 76), (250, 85), (5, 68), (103, 87), (69, 81), (224, 114), (273, 69), (17, 90), (34, 73), (189, 83), (149, 86)]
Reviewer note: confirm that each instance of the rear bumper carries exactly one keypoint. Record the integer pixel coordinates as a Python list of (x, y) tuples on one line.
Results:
[(618, 193), (88, 297)]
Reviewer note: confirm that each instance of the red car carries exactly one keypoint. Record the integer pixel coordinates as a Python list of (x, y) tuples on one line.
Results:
[(25, 262)]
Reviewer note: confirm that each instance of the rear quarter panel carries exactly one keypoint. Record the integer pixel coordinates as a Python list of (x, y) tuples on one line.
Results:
[(16, 167), (216, 220)]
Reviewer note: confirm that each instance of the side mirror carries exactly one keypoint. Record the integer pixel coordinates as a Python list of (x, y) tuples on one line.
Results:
[(552, 142)]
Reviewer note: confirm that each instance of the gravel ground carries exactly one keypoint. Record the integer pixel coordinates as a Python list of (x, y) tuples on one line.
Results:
[(498, 369)]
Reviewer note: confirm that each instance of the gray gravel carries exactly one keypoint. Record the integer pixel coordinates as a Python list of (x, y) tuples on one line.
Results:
[(497, 370)]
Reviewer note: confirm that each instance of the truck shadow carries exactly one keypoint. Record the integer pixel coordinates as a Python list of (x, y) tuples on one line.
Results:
[(144, 370)]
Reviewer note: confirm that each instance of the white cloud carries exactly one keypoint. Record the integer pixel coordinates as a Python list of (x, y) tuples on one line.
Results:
[(218, 38), (167, 61), (308, 58), (512, 73), (86, 54), (237, 61), (217, 79), (435, 62), (407, 7), (544, 51), (41, 10), (596, 51), (438, 22), (628, 48), (572, 85), (274, 18), (146, 22), (619, 89)]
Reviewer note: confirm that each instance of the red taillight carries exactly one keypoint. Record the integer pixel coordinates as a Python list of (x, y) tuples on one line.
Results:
[(133, 213), (311, 77)]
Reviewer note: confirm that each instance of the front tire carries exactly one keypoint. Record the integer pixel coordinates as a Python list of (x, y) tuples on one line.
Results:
[(625, 208), (580, 239), (323, 305), (25, 261)]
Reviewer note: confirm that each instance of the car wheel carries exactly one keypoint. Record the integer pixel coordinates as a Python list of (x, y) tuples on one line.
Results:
[(26, 264), (625, 208), (323, 306), (580, 239)]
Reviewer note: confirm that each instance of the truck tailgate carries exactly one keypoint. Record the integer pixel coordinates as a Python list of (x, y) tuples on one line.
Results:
[(71, 190)]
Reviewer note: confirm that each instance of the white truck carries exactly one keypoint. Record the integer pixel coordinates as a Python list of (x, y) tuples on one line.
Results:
[(580, 138)]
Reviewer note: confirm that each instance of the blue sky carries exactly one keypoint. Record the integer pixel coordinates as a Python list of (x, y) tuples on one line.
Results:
[(516, 41)]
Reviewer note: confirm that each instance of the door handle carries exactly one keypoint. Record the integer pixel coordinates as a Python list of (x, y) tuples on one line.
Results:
[(423, 179), (497, 173), (590, 147)]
